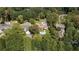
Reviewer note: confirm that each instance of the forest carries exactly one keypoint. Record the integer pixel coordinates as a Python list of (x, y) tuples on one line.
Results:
[(39, 29)]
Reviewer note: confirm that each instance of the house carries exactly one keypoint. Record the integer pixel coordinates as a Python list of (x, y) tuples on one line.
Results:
[(8, 23), (61, 31), (3, 27), (42, 25), (62, 26), (26, 26)]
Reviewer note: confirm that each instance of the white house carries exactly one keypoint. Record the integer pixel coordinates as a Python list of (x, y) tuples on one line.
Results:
[(26, 26), (62, 30), (61, 33)]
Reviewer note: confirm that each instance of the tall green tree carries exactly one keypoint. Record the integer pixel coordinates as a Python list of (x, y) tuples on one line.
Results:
[(51, 43), (20, 19), (2, 44), (52, 18), (36, 42), (27, 44), (14, 38), (61, 46), (69, 34)]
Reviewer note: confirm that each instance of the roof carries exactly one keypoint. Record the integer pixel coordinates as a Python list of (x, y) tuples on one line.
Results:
[(42, 25), (60, 26), (4, 26), (26, 26)]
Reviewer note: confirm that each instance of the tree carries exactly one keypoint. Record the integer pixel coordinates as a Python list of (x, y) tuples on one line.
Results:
[(41, 15), (20, 19), (14, 38), (68, 46), (36, 42), (76, 40), (76, 20), (70, 30), (34, 29), (50, 43), (69, 34), (52, 18), (61, 46), (27, 44), (1, 20), (2, 44), (53, 32), (44, 42), (32, 21)]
